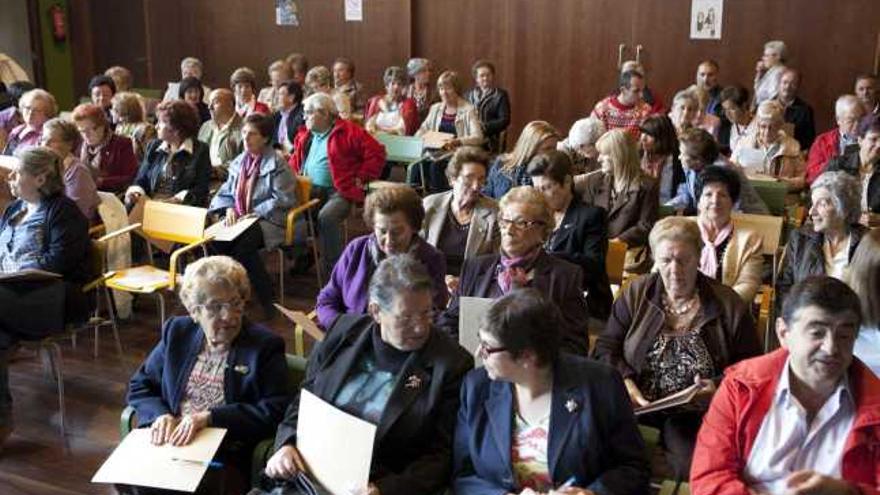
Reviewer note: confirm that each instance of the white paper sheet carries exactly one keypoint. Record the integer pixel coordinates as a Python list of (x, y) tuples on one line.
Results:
[(220, 232), (470, 313), (336, 446), (138, 462), (354, 10)]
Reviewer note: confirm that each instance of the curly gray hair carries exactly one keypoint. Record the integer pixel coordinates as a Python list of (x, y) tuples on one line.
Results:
[(585, 131), (846, 194), (395, 274), (212, 271)]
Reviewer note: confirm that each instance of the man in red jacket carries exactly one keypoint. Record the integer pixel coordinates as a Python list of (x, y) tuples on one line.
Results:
[(804, 419), (340, 158)]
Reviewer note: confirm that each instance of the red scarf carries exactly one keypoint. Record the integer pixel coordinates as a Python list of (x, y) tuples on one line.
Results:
[(245, 187)]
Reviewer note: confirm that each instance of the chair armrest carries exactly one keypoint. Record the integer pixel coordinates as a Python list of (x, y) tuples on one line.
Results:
[(291, 218), (126, 421), (172, 263), (117, 233)]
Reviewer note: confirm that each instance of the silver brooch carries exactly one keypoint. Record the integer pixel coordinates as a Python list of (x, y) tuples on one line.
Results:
[(241, 369), (571, 405), (412, 381)]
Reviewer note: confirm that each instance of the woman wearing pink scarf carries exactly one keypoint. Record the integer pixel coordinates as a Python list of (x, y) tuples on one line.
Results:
[(525, 221), (259, 184), (731, 255)]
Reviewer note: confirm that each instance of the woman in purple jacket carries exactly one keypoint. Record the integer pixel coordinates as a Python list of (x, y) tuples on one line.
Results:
[(395, 214)]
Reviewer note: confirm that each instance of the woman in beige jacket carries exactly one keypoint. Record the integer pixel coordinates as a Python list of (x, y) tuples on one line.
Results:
[(453, 115), (768, 150), (732, 255)]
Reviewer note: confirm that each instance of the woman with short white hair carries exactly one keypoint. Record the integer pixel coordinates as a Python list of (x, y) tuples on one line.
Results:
[(36, 107), (768, 150), (848, 112), (580, 145), (769, 70), (189, 67)]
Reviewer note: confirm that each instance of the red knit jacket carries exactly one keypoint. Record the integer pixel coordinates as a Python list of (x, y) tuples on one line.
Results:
[(738, 409), (824, 148)]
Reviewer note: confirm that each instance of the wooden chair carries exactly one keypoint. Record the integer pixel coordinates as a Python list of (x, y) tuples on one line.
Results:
[(303, 192), (615, 261), (672, 487), (168, 223)]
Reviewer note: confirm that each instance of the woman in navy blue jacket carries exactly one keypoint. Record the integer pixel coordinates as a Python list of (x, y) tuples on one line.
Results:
[(213, 368), (534, 418)]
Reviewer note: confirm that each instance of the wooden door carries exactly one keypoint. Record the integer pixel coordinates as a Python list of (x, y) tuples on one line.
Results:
[(556, 58)]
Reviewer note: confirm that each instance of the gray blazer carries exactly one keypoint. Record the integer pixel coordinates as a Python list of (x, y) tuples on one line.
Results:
[(273, 195), (484, 236)]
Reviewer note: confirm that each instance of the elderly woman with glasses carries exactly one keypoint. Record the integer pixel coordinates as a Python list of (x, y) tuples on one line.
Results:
[(534, 419), (826, 244), (526, 222), (392, 112), (462, 223), (767, 150), (675, 328), (41, 229), (391, 368), (108, 155), (395, 215), (36, 107), (214, 368)]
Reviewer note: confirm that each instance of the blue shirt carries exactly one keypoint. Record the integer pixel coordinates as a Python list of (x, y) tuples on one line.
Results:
[(22, 244), (317, 166)]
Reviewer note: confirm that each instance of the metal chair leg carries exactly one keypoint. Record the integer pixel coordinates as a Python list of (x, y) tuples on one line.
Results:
[(111, 311), (53, 351), (319, 269), (281, 275), (161, 309)]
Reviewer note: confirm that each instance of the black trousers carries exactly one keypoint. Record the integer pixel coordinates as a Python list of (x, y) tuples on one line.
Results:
[(678, 434), (246, 250)]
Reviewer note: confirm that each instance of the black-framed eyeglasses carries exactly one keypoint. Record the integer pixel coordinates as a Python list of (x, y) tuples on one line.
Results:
[(506, 223), (484, 350)]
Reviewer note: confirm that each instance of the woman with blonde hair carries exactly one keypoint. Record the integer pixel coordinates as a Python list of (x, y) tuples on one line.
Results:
[(279, 71), (768, 150), (128, 113), (453, 114), (629, 196), (865, 281), (509, 170)]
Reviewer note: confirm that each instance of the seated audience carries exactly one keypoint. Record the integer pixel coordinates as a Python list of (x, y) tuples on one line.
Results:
[(737, 110), (299, 66), (824, 245), (259, 184), (191, 92), (559, 420), (395, 215), (243, 83), (867, 92), (686, 113), (222, 134), (392, 112), (526, 223), (10, 117), (580, 145), (36, 107), (797, 112), (279, 72), (62, 137), (189, 67), (649, 95), (658, 146), (863, 163), (732, 255), (340, 158), (41, 229), (698, 150), (344, 83), (453, 115), (509, 170), (319, 80), (101, 91), (109, 156), (392, 369), (128, 114), (672, 329), (628, 196), (492, 105), (707, 81), (848, 112), (768, 71), (421, 89), (462, 223), (801, 419), (288, 119), (625, 110), (864, 279), (176, 167), (121, 76), (184, 385), (580, 231), (768, 151)]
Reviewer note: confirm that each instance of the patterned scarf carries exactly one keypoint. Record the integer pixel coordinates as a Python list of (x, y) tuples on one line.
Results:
[(245, 187), (515, 272), (709, 255)]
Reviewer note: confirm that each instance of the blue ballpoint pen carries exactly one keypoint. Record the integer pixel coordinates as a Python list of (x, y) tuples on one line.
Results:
[(568, 483)]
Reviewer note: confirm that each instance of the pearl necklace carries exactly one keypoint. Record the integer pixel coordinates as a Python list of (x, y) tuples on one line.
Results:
[(683, 309)]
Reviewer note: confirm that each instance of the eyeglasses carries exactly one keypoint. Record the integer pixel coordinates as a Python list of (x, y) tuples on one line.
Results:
[(414, 320), (484, 351), (505, 223), (31, 108), (217, 308)]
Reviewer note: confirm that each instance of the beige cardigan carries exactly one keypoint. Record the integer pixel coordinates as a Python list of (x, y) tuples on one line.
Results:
[(742, 267), (484, 235), (467, 122)]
